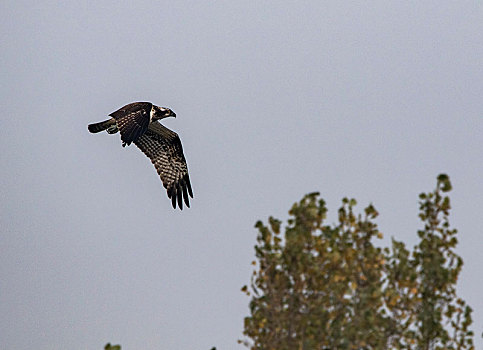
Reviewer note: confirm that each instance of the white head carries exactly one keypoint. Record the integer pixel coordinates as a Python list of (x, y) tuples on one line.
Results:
[(161, 113)]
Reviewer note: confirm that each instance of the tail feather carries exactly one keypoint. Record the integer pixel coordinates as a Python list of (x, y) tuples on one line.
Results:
[(101, 126)]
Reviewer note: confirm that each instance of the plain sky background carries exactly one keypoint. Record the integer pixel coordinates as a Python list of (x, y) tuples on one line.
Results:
[(274, 99)]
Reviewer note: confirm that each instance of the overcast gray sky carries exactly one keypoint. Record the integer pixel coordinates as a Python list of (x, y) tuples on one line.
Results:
[(274, 99)]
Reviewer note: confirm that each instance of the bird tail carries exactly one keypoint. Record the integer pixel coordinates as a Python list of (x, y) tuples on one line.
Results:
[(101, 126)]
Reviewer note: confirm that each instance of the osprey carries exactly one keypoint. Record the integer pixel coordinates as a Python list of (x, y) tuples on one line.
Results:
[(138, 123)]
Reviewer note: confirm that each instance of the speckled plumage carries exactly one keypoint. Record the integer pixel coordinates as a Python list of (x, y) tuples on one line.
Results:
[(137, 123), (163, 147), (132, 121)]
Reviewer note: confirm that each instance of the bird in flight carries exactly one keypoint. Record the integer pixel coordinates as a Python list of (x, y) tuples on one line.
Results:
[(138, 124)]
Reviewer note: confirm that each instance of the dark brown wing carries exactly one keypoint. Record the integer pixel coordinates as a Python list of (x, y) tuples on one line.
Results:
[(132, 120), (163, 147)]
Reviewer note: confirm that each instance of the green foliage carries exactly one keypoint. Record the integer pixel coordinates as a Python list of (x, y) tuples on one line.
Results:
[(322, 286)]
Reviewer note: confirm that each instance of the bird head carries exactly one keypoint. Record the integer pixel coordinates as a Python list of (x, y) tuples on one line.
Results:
[(161, 113)]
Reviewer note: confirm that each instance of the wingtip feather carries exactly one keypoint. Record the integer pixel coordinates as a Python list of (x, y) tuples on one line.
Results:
[(188, 184), (173, 201), (179, 196)]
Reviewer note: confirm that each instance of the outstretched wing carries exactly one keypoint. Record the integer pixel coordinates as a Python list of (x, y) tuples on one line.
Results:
[(132, 121), (163, 147)]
